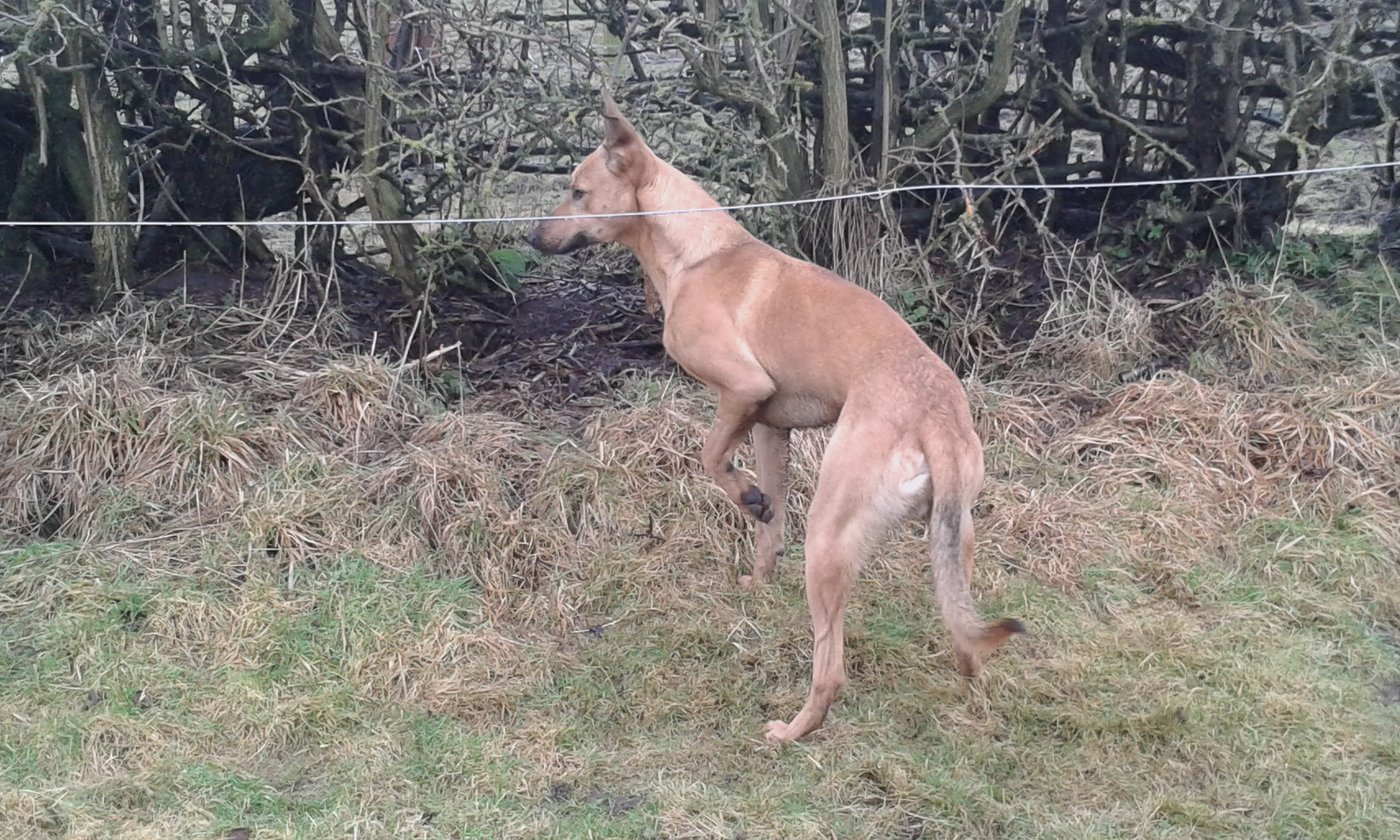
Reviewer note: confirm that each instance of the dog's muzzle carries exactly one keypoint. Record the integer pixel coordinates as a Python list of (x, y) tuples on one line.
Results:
[(538, 240)]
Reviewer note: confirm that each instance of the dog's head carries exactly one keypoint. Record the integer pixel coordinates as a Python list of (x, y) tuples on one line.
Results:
[(605, 182)]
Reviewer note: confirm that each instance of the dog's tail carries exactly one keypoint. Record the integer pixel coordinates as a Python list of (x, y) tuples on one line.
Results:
[(950, 543)]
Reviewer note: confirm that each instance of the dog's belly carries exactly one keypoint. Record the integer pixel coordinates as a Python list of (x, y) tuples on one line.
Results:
[(797, 411)]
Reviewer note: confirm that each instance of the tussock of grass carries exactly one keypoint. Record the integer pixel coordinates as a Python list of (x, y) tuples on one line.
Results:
[(1091, 330), (1265, 327), (113, 455), (255, 582)]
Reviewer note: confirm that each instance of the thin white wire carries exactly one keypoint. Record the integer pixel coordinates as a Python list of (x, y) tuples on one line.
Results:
[(792, 202)]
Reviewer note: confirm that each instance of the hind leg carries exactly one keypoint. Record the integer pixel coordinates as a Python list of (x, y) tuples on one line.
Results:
[(858, 497), (832, 562)]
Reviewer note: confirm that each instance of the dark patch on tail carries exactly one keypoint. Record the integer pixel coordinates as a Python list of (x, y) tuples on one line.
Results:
[(949, 517), (998, 633)]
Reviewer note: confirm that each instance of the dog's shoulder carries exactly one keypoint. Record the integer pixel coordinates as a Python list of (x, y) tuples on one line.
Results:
[(745, 256)]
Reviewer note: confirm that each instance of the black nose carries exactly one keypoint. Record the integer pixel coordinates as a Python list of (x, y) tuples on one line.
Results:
[(533, 238)]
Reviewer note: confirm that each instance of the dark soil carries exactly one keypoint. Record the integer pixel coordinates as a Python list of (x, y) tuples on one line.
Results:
[(558, 338), (561, 337)]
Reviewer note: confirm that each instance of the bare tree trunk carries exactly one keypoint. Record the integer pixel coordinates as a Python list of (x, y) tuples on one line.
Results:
[(770, 56), (112, 245), (885, 110), (1002, 43), (28, 182), (385, 200), (836, 129), (1307, 99), (314, 39)]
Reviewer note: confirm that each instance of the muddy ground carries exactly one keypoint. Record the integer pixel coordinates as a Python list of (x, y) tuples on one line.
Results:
[(568, 334)]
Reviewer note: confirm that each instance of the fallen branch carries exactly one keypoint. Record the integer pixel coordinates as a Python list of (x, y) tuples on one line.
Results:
[(429, 357)]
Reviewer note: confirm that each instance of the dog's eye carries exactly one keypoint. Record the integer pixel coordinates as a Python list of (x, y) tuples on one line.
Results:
[(579, 194)]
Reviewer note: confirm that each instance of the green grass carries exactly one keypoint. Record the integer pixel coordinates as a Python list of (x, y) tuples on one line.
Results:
[(1244, 701)]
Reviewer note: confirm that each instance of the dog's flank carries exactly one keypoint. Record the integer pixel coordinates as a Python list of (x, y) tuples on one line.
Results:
[(785, 344)]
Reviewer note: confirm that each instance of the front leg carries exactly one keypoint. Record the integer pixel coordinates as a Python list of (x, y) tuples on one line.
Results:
[(704, 342), (771, 452), (733, 419)]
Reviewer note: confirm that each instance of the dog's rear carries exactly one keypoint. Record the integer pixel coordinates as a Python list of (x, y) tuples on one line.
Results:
[(785, 344)]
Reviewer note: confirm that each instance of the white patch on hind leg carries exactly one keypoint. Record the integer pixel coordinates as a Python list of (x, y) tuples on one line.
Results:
[(910, 469), (915, 487), (906, 484)]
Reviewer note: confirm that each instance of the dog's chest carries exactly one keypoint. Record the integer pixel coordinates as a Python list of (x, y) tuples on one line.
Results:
[(797, 410)]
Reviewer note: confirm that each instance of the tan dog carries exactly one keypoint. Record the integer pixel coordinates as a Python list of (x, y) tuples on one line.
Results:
[(788, 345)]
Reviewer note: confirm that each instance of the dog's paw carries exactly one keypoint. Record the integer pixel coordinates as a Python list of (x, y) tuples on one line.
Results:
[(777, 732), (751, 583), (758, 504)]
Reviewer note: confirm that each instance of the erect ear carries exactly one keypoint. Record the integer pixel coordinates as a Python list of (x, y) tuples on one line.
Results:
[(620, 139)]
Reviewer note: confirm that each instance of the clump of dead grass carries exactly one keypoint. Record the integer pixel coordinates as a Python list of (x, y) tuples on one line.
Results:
[(78, 448), (1091, 328), (466, 486), (1274, 419), (1160, 470), (1243, 451), (1267, 328), (356, 400)]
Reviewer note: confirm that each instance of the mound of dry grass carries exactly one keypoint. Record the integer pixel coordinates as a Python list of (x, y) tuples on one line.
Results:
[(302, 456), (1200, 460), (1092, 329), (112, 455)]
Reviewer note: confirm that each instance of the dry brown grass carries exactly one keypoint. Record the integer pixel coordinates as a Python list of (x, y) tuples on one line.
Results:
[(311, 455), (266, 581), (1092, 329)]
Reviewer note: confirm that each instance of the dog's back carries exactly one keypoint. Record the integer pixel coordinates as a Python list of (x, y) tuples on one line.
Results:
[(824, 340)]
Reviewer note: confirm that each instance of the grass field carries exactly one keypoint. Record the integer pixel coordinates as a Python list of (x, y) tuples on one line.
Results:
[(256, 587)]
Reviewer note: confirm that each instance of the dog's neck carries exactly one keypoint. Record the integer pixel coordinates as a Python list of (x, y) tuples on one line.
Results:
[(667, 245)]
